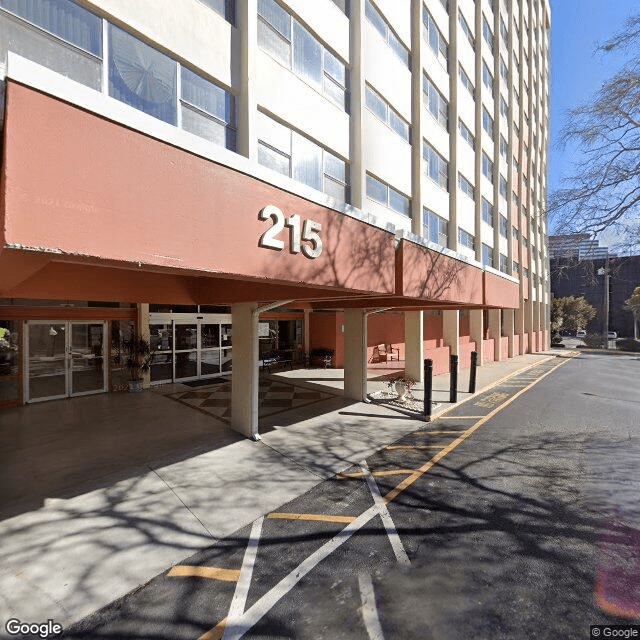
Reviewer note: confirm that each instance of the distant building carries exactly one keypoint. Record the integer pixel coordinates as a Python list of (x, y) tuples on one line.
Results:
[(580, 246), (580, 278)]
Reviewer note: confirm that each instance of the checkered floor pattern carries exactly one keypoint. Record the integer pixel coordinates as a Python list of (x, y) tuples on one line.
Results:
[(274, 396)]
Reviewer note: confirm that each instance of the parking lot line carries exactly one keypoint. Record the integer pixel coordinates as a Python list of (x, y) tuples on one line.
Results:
[(314, 517), (212, 573)]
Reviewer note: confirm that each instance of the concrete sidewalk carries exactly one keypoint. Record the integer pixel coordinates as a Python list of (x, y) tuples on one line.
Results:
[(68, 555)]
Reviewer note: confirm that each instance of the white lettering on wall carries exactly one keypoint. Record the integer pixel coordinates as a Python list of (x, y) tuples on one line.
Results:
[(303, 237)]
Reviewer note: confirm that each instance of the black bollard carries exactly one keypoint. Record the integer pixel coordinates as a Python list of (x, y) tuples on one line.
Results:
[(472, 372), (428, 388), (453, 378)]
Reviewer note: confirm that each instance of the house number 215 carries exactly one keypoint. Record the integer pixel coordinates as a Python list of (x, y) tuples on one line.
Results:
[(309, 232)]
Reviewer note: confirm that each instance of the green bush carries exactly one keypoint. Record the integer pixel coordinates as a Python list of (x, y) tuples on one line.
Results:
[(628, 344)]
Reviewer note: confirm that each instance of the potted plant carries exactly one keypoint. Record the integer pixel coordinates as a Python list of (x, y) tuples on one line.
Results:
[(137, 354), (402, 384)]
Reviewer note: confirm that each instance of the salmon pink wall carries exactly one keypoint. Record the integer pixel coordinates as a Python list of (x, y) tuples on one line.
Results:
[(500, 292), (465, 348), (488, 350), (516, 344), (325, 331), (385, 328), (81, 186), (524, 337), (504, 348), (440, 357)]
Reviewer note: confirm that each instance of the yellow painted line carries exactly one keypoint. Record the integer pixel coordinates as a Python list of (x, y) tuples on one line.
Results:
[(459, 418), (212, 573), (393, 447), (439, 433), (216, 633), (418, 473), (378, 474), (311, 517)]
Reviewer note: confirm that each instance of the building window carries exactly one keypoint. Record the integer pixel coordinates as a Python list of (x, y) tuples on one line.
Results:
[(466, 134), (465, 239), (487, 255), (487, 212), (288, 42), (384, 29), (466, 81), (385, 112), (487, 167), (525, 272), (503, 226), (514, 199), (514, 233), (437, 168), (141, 77), (487, 122), (503, 147), (343, 5), (286, 151), (504, 71), (503, 30), (503, 263), (487, 33), (435, 102), (208, 111), (388, 196), (516, 267), (436, 227), (226, 8), (503, 187), (464, 25), (516, 165), (434, 38), (465, 186), (487, 77), (504, 109)]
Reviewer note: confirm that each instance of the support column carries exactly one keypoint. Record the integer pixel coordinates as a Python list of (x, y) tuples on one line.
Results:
[(495, 327), (528, 323), (508, 329), (306, 332), (144, 332), (519, 328), (413, 344), (355, 356), (535, 324), (451, 330), (358, 187), (244, 378), (247, 107), (476, 325)]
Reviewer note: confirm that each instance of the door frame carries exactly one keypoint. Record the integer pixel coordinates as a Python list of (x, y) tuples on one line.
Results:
[(68, 359)]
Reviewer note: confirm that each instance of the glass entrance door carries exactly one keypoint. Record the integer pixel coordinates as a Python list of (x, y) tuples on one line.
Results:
[(186, 342), (64, 359)]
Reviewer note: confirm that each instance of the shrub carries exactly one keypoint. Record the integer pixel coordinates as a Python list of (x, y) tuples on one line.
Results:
[(628, 344)]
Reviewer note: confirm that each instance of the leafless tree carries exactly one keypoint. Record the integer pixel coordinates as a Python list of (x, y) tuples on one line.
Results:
[(603, 193)]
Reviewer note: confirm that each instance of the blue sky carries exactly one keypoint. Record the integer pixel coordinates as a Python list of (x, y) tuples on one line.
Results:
[(576, 71)]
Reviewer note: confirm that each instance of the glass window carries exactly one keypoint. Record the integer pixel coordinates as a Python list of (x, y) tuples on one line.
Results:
[(487, 121), (466, 81), (487, 255), (466, 134), (381, 26), (514, 233), (487, 77), (376, 190), (62, 18), (503, 263), (466, 239), (335, 177), (464, 25), (436, 228), (487, 33), (503, 30), (465, 186), (437, 168), (487, 167), (343, 5), (226, 8), (399, 202), (503, 187), (503, 147), (504, 71), (435, 102), (388, 196), (307, 56), (504, 109), (385, 112), (141, 77), (516, 267), (503, 226), (487, 212), (434, 38), (307, 161)]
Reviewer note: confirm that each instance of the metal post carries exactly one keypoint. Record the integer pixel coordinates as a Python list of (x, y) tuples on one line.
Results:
[(453, 379), (428, 388), (472, 372)]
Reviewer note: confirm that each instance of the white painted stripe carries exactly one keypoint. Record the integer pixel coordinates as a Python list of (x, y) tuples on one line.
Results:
[(368, 608), (387, 521), (233, 629)]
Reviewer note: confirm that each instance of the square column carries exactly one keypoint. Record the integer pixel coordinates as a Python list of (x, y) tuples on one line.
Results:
[(355, 355), (476, 325), (535, 324), (144, 331), (451, 330), (495, 327), (509, 323), (528, 323), (244, 378), (413, 344), (519, 328)]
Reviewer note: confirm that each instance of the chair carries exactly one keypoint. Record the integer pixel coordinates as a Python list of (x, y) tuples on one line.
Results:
[(379, 353), (390, 349)]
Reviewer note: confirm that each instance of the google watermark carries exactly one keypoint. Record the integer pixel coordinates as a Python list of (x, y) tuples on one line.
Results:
[(48, 629), (615, 631)]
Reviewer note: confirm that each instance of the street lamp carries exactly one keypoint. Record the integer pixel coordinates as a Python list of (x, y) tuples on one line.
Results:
[(604, 271)]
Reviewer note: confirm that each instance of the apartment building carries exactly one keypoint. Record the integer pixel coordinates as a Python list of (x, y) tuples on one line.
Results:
[(230, 176)]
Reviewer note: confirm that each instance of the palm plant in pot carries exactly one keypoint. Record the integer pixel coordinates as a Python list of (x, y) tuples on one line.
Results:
[(137, 355)]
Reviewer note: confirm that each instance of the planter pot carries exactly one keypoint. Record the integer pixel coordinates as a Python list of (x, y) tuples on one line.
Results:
[(135, 386), (401, 389)]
